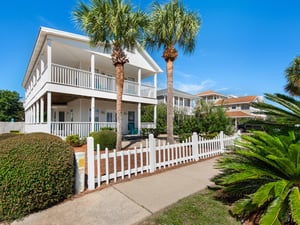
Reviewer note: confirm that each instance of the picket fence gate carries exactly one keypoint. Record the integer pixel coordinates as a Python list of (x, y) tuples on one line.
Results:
[(106, 166)]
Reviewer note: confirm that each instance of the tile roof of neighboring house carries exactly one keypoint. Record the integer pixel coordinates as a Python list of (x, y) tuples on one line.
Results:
[(230, 101), (209, 92), (176, 92), (238, 114)]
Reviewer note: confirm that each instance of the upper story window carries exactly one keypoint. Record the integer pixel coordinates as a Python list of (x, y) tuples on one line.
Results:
[(233, 107), (245, 106)]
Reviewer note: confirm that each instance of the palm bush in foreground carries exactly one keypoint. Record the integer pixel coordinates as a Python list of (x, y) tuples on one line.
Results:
[(262, 178)]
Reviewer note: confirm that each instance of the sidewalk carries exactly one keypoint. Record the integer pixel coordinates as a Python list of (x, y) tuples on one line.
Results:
[(128, 202)]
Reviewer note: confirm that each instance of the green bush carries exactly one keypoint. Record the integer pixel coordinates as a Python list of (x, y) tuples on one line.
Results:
[(184, 136), (105, 138), (14, 131), (147, 131), (8, 135), (107, 128), (74, 140), (37, 171)]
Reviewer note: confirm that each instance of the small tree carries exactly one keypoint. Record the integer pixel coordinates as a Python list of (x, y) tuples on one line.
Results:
[(10, 106), (292, 74), (212, 119)]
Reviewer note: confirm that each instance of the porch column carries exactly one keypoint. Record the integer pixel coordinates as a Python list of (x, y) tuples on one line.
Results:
[(37, 106), (33, 113), (42, 66), (42, 110), (49, 57), (93, 70), (29, 115), (139, 119), (49, 95), (139, 81), (92, 114), (36, 76), (155, 85), (155, 115)]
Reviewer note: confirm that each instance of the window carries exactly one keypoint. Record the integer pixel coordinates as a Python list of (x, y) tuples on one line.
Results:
[(245, 106), (111, 117), (233, 107)]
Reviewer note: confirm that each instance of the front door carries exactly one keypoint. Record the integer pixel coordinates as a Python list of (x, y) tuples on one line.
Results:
[(61, 118), (131, 122)]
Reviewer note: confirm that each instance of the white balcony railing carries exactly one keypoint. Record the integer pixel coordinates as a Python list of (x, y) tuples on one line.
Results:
[(70, 76), (81, 78)]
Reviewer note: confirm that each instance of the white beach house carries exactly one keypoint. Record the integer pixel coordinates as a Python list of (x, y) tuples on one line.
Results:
[(70, 86)]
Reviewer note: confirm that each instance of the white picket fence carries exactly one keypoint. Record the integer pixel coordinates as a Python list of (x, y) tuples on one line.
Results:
[(107, 166)]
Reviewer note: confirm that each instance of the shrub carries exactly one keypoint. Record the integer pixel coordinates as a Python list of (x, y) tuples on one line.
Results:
[(37, 171), (184, 136), (105, 138), (107, 128), (74, 140), (8, 135), (14, 131), (147, 131)]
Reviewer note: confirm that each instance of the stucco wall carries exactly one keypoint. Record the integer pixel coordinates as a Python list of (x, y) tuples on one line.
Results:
[(6, 127)]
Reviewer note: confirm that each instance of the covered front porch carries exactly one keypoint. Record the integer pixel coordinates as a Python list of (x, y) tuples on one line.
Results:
[(63, 114)]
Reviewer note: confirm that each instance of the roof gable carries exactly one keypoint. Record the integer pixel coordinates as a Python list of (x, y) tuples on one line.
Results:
[(239, 100)]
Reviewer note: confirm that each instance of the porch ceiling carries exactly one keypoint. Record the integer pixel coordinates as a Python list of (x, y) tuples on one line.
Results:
[(71, 56), (62, 99)]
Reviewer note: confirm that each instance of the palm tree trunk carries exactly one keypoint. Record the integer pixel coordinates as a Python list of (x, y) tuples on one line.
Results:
[(170, 110), (119, 82)]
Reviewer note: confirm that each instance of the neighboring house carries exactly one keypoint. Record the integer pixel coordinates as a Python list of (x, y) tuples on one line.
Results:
[(240, 107), (210, 96), (70, 86), (182, 101)]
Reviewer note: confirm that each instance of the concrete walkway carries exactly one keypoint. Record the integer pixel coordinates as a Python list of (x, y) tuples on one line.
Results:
[(128, 202)]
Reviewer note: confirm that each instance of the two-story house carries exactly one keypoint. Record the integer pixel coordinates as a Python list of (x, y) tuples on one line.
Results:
[(71, 86), (182, 101), (211, 96), (240, 107)]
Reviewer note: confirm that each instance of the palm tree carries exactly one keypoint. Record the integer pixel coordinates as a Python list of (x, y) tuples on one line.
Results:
[(285, 113), (112, 23), (292, 75), (262, 178), (171, 25)]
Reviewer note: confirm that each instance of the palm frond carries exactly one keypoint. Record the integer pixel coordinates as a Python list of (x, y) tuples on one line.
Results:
[(263, 194), (294, 202), (272, 213)]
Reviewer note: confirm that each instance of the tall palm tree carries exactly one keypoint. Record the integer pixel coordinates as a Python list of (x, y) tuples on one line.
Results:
[(262, 178), (112, 23), (171, 25), (292, 74)]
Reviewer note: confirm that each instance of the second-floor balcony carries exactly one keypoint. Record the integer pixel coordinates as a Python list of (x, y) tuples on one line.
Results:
[(64, 75), (84, 79)]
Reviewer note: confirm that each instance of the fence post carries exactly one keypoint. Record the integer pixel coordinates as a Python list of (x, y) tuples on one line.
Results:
[(152, 155), (222, 141), (195, 146), (91, 163)]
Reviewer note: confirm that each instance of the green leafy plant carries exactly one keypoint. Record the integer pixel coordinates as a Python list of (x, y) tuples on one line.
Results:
[(37, 171), (262, 178), (105, 138), (74, 140), (8, 135)]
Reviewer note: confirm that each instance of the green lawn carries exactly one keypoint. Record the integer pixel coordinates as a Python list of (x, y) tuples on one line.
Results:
[(198, 209)]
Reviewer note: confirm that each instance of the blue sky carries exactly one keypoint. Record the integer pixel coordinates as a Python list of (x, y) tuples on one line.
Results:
[(243, 46)]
